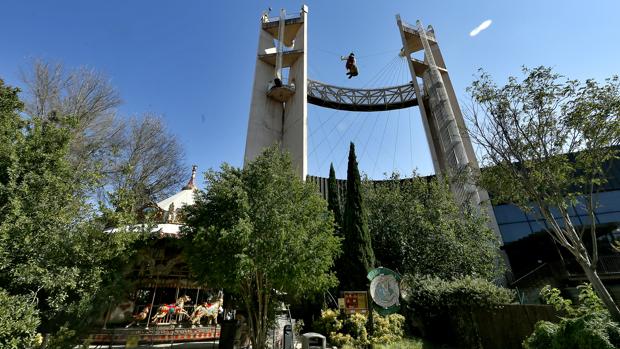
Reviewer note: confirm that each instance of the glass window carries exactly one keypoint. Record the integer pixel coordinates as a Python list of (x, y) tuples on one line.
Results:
[(608, 201), (585, 220), (534, 213), (576, 222), (508, 214), (514, 231), (608, 217), (581, 207), (537, 226)]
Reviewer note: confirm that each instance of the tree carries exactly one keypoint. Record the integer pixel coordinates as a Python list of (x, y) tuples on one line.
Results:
[(86, 95), (545, 141), (260, 231), (137, 159), (18, 327), (358, 257), (411, 219), (53, 252), (333, 198), (148, 166)]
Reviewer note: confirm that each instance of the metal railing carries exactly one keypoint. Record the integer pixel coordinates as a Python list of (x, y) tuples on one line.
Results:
[(608, 267), (609, 264), (345, 98), (272, 19)]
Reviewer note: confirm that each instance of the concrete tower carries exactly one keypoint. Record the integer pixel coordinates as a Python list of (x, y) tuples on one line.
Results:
[(282, 90), (446, 133), (279, 111)]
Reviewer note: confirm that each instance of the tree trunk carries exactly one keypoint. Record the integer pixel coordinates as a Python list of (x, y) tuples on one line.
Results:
[(258, 328), (601, 290)]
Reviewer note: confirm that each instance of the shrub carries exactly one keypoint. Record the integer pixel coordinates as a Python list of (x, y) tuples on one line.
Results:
[(387, 329), (328, 322), (355, 326), (436, 302), (350, 330), (402, 344), (18, 322), (432, 294), (587, 326)]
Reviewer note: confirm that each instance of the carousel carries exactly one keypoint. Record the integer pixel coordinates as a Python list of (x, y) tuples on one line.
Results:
[(166, 304)]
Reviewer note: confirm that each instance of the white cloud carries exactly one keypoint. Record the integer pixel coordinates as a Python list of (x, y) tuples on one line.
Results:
[(484, 25)]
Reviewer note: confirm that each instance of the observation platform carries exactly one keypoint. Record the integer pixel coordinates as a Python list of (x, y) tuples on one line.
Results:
[(363, 100)]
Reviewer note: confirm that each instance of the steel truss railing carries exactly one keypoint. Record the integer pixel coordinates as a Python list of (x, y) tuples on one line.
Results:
[(344, 98)]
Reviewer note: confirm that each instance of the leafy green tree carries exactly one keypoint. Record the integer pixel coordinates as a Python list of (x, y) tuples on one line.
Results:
[(411, 219), (260, 231), (18, 323), (358, 256), (526, 131), (52, 249)]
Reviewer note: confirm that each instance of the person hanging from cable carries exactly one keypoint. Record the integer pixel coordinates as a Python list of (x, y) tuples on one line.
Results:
[(350, 65)]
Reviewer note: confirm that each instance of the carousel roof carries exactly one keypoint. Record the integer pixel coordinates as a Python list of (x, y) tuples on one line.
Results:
[(170, 229), (167, 229), (170, 225), (180, 199), (183, 198)]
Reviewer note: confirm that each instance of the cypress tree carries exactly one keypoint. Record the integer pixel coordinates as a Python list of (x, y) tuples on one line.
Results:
[(333, 199), (358, 256)]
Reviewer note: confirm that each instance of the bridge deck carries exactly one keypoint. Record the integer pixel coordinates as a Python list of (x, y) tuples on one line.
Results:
[(367, 100)]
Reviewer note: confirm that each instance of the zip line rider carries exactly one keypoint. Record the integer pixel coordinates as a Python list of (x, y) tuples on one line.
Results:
[(350, 65)]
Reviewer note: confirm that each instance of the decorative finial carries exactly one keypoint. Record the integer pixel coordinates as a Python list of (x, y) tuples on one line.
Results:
[(191, 184)]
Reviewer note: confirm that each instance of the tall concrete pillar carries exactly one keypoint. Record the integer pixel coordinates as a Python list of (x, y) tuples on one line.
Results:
[(449, 142), (278, 111)]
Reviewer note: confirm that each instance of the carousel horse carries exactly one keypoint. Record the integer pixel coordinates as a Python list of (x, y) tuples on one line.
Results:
[(171, 309), (141, 316), (210, 310)]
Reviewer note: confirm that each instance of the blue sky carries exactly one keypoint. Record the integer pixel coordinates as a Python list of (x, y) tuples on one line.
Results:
[(193, 61)]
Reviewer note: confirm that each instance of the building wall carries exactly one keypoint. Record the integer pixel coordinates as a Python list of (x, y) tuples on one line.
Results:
[(514, 224)]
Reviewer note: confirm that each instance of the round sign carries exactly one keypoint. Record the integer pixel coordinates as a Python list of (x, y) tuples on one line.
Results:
[(384, 290)]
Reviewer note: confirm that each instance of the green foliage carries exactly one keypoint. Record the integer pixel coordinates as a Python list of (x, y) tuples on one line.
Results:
[(402, 344), (18, 322), (546, 144), (351, 330), (412, 219), (334, 205), (587, 325), (387, 329), (333, 198), (354, 332), (552, 296), (10, 125), (544, 117), (590, 331), (52, 250), (588, 301), (429, 298), (432, 294), (298, 327), (259, 229), (328, 322), (358, 256)]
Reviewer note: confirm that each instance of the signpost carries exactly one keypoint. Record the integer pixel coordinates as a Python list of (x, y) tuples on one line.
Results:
[(355, 302), (384, 290)]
